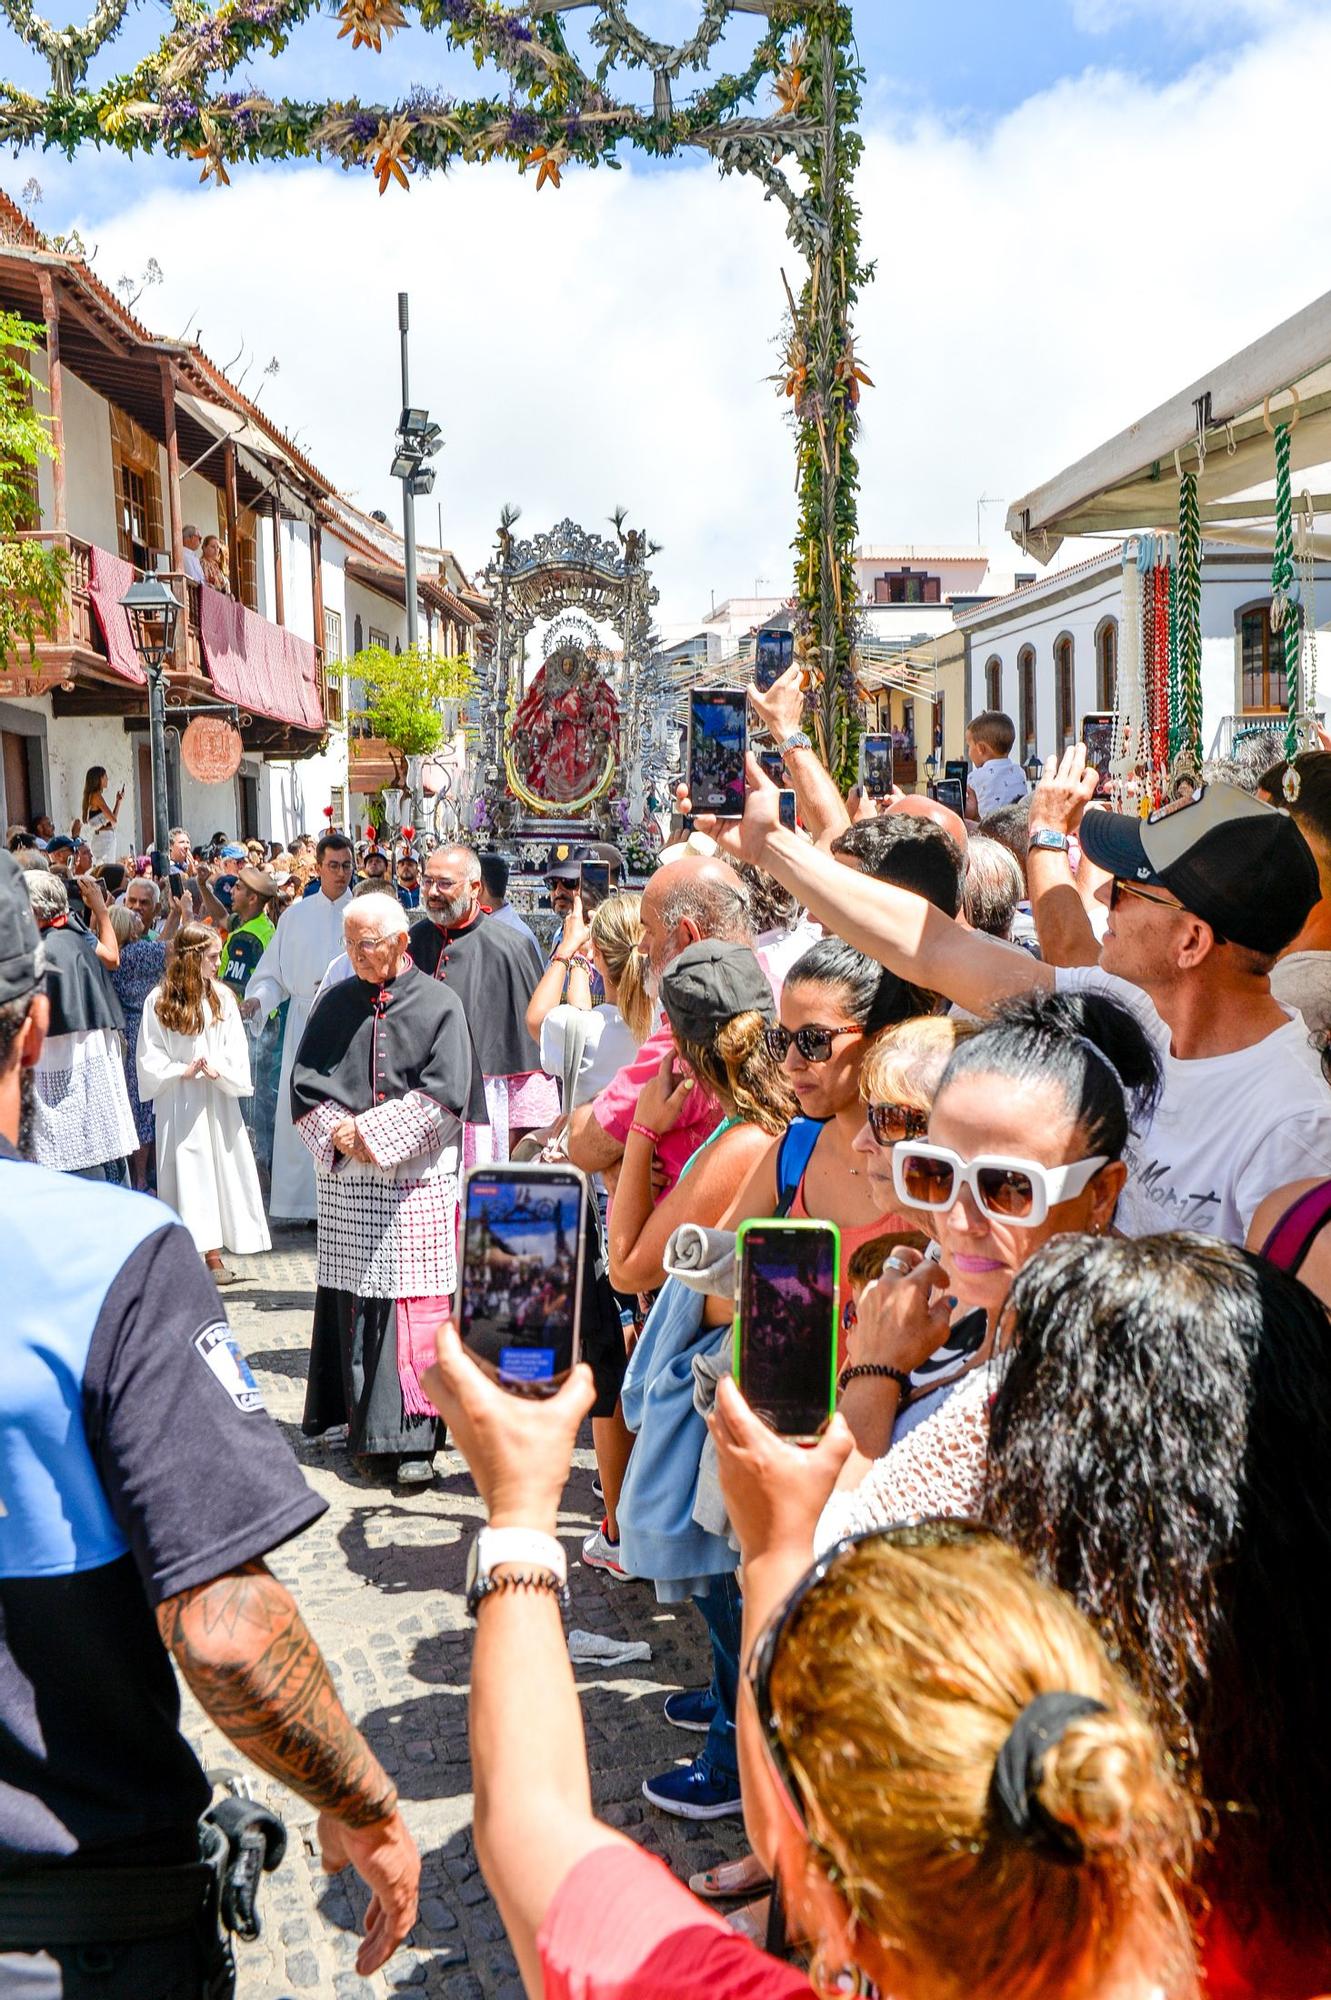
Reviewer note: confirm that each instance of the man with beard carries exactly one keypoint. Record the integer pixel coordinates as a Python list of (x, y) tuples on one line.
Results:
[(699, 896), (494, 971), (383, 1078)]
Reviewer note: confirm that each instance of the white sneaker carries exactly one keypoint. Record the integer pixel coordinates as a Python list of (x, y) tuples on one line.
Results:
[(599, 1552)]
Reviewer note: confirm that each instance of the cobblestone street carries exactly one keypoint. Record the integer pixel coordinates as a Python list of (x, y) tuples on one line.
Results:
[(380, 1580)]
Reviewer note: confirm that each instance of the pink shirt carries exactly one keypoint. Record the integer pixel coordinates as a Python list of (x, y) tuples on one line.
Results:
[(614, 1110), (668, 1946)]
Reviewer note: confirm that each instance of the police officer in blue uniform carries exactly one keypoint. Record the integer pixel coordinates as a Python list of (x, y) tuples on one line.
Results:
[(142, 1485)]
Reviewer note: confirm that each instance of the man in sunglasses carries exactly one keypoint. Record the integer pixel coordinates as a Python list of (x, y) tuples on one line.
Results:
[(1203, 897)]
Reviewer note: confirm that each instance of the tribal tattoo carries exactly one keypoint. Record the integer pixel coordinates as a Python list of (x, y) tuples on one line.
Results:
[(246, 1652)]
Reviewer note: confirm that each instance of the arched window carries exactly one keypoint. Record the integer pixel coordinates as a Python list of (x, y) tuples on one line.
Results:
[(1261, 662), (1065, 692), (1026, 703), (1106, 665), (993, 682)]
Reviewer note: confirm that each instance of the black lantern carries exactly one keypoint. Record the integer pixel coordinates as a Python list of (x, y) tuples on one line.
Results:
[(1034, 767), (153, 611)]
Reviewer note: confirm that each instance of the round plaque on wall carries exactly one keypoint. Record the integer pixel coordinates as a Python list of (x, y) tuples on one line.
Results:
[(211, 749)]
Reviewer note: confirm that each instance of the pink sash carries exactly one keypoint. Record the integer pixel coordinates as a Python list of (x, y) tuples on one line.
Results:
[(418, 1324)]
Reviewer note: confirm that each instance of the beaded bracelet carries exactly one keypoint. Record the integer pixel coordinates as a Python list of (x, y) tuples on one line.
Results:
[(875, 1368)]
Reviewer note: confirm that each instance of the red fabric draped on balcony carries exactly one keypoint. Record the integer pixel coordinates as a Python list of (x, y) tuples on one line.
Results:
[(261, 667), (109, 577)]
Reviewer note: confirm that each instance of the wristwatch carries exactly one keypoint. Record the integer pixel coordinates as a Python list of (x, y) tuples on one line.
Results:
[(799, 741), (1045, 840), (537, 1553)]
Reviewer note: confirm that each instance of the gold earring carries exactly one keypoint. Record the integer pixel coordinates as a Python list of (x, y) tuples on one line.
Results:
[(834, 1982)]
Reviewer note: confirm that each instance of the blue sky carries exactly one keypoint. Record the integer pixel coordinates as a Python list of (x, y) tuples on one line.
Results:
[(611, 342)]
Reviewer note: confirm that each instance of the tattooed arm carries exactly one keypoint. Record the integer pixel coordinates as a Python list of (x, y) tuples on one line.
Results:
[(246, 1652)]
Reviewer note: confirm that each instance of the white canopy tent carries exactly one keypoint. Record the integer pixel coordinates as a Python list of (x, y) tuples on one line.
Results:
[(1221, 429)]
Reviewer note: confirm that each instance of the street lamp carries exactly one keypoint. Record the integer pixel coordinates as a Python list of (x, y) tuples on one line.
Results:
[(1034, 767), (153, 611)]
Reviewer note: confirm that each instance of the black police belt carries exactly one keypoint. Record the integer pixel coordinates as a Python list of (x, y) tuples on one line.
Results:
[(67, 1905)]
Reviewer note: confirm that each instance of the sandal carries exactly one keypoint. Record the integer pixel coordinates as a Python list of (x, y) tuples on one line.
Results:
[(745, 1877), (751, 1920)]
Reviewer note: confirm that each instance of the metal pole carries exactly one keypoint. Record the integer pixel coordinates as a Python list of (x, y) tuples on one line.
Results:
[(157, 756), (408, 498)]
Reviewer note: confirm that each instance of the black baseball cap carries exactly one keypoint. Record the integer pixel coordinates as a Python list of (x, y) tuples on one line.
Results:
[(1240, 865), (565, 863), (709, 984), (20, 941)]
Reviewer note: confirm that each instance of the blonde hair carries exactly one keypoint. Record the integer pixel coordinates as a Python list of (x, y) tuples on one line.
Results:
[(740, 1069), (181, 996), (904, 1065), (125, 923), (893, 1691), (617, 934)]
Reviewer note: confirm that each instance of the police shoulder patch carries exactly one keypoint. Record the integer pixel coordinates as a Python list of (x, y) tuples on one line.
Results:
[(218, 1347)]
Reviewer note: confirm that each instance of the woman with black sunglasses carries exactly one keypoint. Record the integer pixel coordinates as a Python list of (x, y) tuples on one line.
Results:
[(957, 1790), (1026, 1140), (833, 1005)]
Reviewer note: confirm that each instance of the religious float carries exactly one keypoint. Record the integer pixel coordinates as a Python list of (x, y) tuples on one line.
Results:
[(582, 751)]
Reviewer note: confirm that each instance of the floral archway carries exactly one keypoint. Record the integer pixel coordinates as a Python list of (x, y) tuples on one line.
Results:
[(801, 144)]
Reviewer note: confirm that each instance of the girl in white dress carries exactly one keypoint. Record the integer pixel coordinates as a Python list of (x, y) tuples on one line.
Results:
[(98, 817), (193, 1062)]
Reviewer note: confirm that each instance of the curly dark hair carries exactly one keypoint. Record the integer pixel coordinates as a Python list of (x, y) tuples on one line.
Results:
[(1157, 1448)]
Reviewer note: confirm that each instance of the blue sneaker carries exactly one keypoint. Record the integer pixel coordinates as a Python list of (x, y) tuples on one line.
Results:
[(691, 1708), (695, 1791)]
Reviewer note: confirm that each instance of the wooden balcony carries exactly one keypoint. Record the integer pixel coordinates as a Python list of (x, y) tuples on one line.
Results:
[(74, 667), (75, 652)]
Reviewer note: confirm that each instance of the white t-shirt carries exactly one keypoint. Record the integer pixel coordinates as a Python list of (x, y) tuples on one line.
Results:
[(1228, 1129), (609, 1048), (1000, 782)]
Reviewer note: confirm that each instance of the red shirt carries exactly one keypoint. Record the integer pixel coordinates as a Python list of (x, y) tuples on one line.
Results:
[(619, 1924), (1259, 1964)]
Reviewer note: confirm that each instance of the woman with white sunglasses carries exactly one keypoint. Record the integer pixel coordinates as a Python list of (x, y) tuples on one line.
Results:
[(1026, 1141)]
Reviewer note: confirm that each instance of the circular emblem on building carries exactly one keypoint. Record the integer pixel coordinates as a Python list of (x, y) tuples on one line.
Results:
[(211, 749)]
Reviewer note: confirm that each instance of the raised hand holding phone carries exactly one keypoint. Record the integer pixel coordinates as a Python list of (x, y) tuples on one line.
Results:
[(518, 1452), (524, 1234), (787, 1297), (774, 1490)]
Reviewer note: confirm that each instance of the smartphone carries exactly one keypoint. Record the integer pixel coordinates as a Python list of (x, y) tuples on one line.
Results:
[(718, 738), (1097, 733), (520, 1287), (876, 766), (773, 654), (594, 884), (774, 764), (785, 807), (958, 768), (949, 792), (787, 1291)]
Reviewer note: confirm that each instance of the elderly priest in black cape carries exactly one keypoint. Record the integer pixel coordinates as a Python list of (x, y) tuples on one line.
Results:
[(494, 970), (384, 1076)]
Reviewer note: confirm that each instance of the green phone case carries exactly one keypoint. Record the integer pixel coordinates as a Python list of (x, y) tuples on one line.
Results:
[(783, 1223)]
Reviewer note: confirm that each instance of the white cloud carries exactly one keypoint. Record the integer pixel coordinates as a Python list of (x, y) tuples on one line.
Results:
[(1040, 283)]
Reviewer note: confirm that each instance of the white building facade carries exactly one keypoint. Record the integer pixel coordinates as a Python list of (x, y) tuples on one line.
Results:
[(1047, 654)]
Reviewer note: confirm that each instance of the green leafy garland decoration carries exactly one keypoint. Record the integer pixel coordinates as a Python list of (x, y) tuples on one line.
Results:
[(555, 114)]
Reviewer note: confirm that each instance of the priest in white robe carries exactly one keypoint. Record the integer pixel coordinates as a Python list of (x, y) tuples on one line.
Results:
[(307, 939)]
